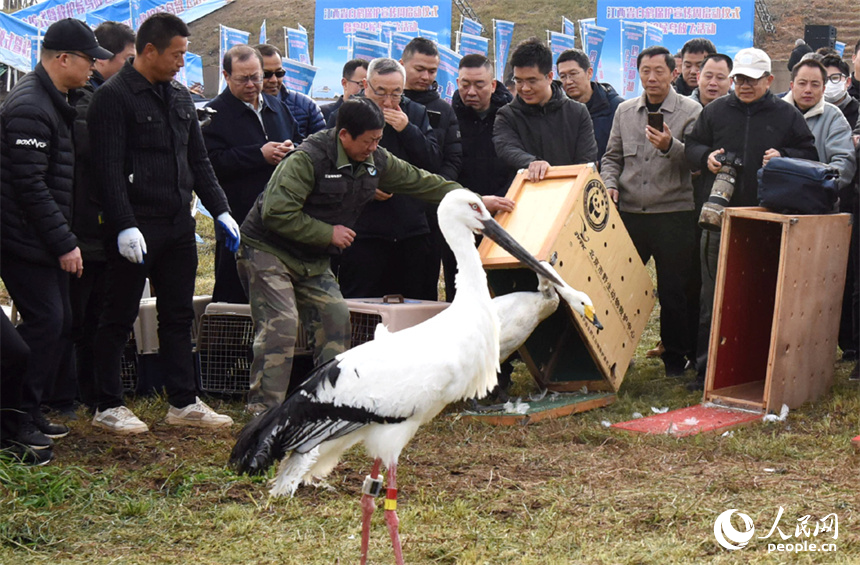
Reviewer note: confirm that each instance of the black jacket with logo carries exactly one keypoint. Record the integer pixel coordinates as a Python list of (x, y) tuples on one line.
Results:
[(37, 170)]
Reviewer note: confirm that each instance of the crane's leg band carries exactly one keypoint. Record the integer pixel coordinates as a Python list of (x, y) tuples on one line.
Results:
[(372, 486), (390, 499)]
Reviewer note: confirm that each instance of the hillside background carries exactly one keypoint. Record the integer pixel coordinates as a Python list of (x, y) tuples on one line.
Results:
[(532, 18)]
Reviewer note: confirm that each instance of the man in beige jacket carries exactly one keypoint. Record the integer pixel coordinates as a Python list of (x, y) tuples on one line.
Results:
[(647, 175)]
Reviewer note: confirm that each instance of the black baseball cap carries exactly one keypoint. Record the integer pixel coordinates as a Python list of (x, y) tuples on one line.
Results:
[(74, 35)]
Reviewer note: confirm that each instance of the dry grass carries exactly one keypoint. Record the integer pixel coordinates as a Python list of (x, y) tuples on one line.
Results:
[(560, 491)]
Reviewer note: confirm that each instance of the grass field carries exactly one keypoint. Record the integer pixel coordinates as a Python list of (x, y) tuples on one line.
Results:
[(556, 492)]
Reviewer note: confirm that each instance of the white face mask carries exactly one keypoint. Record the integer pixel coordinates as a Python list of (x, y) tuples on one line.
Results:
[(834, 92)]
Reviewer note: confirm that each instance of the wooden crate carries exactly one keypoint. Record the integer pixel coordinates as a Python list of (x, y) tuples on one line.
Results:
[(568, 219), (777, 304)]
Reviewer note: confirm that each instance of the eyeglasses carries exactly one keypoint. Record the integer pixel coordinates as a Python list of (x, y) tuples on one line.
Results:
[(357, 83), (394, 96), (279, 73), (836, 78), (740, 80), (531, 82), (253, 79), (92, 60), (564, 77)]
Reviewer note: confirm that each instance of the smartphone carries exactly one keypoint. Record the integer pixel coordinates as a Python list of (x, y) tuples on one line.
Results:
[(655, 120)]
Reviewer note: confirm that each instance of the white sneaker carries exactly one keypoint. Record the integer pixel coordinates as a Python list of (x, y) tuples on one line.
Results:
[(198, 415), (119, 420)]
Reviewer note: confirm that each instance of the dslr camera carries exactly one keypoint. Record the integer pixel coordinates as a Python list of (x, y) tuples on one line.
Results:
[(711, 217)]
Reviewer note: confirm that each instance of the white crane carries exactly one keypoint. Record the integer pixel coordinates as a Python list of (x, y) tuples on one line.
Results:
[(380, 392)]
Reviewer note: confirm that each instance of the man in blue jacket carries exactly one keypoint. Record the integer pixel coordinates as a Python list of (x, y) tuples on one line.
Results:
[(575, 73), (36, 180), (249, 135), (303, 108)]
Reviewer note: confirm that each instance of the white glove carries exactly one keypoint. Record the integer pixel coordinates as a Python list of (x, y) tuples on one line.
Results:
[(131, 245), (231, 232)]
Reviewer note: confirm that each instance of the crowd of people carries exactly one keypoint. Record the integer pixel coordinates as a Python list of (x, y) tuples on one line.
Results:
[(102, 150)]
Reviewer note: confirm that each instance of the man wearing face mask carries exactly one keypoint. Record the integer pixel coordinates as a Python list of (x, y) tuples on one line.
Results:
[(836, 88)]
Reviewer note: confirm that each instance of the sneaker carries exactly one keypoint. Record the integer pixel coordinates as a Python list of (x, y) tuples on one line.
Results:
[(50, 429), (119, 420), (31, 436), (198, 415), (27, 455)]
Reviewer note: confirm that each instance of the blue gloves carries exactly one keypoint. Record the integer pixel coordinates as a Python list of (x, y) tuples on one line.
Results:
[(231, 232), (131, 244)]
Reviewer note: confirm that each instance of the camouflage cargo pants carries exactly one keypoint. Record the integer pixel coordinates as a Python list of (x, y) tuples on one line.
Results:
[(279, 299)]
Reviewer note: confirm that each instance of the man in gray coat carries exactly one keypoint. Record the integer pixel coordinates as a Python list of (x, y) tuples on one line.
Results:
[(647, 175)]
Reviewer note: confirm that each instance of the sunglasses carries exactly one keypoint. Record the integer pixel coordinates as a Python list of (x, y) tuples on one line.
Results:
[(279, 73)]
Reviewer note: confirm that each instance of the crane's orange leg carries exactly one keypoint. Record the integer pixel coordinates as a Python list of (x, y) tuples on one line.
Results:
[(391, 513), (368, 505)]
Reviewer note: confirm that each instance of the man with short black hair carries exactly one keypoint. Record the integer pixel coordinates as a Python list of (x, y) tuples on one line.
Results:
[(303, 108), (40, 250), (248, 136), (713, 79), (149, 156), (575, 73), (693, 53), (352, 81), (770, 129), (295, 227), (542, 127), (647, 175), (87, 292)]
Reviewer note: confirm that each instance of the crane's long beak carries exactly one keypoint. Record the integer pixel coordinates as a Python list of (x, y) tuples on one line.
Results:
[(494, 231)]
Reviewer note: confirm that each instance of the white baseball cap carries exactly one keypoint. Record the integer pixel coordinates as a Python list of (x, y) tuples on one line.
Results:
[(751, 62)]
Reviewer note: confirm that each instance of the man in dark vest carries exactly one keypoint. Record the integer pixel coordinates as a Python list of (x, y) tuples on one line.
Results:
[(305, 216)]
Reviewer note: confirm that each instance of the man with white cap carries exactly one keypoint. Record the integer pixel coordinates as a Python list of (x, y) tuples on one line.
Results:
[(754, 125)]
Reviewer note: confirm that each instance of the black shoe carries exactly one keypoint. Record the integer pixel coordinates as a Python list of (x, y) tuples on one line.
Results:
[(29, 435), (50, 429), (697, 385), (27, 455)]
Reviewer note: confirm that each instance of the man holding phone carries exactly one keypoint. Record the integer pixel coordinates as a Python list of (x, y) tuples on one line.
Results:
[(647, 175)]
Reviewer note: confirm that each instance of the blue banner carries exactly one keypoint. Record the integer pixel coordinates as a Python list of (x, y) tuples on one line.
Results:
[(653, 35), (468, 44), (45, 13), (116, 12), (728, 24), (470, 26), (300, 76), (297, 45), (191, 75), (567, 26), (16, 43), (399, 41), (446, 77), (338, 19), (229, 38), (593, 37), (366, 34), (263, 35), (503, 32), (385, 32), (558, 43), (428, 34), (632, 43), (368, 50)]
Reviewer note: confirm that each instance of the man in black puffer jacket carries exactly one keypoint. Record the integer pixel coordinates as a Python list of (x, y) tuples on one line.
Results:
[(39, 248), (542, 127)]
